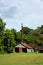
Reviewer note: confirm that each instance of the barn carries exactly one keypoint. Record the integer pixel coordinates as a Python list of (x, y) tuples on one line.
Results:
[(38, 49), (23, 47)]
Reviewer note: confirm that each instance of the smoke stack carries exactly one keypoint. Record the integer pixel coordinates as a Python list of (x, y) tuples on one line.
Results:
[(21, 32)]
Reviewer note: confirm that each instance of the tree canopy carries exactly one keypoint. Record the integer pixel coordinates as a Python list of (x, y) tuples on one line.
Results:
[(10, 37), (2, 26)]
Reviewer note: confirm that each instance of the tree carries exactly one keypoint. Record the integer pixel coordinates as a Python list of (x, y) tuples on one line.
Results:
[(36, 36), (9, 41), (9, 38), (2, 26), (14, 32), (26, 30), (18, 37), (24, 34), (40, 38), (25, 39)]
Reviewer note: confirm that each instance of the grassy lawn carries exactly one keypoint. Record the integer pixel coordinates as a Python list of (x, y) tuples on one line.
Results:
[(21, 59)]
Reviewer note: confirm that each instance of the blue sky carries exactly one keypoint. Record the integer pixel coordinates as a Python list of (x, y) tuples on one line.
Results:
[(28, 12)]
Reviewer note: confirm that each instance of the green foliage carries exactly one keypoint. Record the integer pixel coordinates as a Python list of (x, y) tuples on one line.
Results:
[(36, 36), (25, 39), (2, 26), (9, 41), (9, 38), (14, 32), (18, 37), (26, 30)]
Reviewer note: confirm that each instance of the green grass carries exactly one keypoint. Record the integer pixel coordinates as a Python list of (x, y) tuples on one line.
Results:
[(21, 59)]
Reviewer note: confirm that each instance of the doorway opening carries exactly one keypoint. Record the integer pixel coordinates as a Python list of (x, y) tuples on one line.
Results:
[(41, 51), (24, 50), (17, 50)]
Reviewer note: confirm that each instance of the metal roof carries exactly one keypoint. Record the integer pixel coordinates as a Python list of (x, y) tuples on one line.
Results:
[(24, 45)]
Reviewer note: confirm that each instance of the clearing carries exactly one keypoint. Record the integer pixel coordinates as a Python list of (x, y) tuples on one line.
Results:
[(21, 59)]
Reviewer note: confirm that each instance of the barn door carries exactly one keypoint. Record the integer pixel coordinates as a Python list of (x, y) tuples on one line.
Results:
[(24, 50)]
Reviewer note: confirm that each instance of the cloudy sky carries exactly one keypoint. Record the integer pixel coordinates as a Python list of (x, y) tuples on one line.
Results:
[(28, 12)]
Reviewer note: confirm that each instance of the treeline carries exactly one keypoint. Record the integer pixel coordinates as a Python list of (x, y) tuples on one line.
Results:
[(10, 38)]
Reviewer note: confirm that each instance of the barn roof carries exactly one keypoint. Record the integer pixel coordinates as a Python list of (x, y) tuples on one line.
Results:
[(38, 47), (24, 45), (27, 45), (19, 45)]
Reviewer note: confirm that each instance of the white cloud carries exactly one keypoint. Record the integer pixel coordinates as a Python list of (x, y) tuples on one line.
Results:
[(30, 12)]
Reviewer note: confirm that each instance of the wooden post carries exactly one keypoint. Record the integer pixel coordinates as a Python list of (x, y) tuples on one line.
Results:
[(20, 50)]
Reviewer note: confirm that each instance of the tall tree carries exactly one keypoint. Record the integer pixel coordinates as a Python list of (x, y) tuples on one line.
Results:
[(9, 41), (2, 26), (26, 30), (36, 36), (14, 32)]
